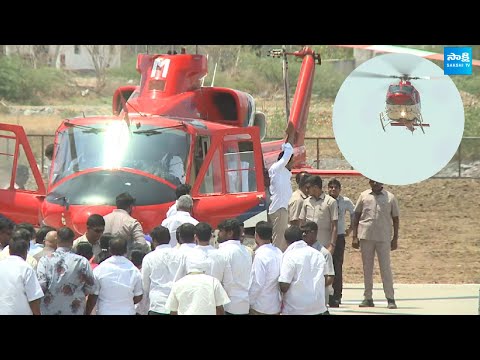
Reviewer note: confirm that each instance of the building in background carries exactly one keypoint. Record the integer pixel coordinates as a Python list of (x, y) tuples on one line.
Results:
[(68, 57)]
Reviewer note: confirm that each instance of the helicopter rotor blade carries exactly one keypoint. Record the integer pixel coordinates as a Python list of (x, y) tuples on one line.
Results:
[(402, 67), (367, 74), (440, 77)]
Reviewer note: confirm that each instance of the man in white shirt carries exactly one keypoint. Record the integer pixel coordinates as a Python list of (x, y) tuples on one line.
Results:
[(35, 247), (302, 279), (197, 293), (203, 234), (182, 189), (264, 293), (281, 189), (95, 230), (20, 292), (183, 215), (310, 229), (159, 269), (120, 282), (25, 235), (238, 266), (186, 239), (6, 230)]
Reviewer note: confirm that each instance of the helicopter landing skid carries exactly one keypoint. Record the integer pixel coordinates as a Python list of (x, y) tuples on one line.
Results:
[(382, 121)]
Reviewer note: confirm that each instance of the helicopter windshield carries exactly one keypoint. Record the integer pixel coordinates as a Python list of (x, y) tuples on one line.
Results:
[(159, 151), (406, 89)]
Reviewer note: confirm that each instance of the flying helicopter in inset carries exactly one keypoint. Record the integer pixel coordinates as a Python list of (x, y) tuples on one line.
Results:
[(166, 131), (402, 101)]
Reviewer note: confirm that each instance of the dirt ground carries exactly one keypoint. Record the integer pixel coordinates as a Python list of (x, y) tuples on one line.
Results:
[(439, 240)]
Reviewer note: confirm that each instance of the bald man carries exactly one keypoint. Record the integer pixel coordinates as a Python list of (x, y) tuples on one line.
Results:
[(50, 245)]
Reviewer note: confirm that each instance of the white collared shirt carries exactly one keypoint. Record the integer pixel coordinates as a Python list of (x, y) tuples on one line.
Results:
[(19, 286), (196, 294), (172, 210), (173, 222), (344, 205), (237, 275), (119, 282), (35, 248), (264, 292), (159, 269), (303, 268), (280, 181), (217, 261)]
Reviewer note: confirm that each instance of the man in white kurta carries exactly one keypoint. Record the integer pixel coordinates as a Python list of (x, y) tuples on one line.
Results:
[(159, 269), (203, 234), (20, 291), (197, 293), (119, 282), (238, 266), (264, 292), (281, 190), (183, 215), (302, 279)]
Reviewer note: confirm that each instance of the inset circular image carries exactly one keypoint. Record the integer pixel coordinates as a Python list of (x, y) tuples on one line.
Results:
[(398, 119)]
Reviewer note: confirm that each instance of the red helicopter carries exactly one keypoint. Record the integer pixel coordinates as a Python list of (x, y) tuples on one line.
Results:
[(166, 131), (402, 103)]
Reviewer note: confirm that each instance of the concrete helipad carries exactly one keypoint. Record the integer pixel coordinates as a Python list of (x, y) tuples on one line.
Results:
[(413, 299)]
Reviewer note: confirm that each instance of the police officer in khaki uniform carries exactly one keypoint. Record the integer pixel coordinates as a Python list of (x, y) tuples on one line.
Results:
[(296, 200), (375, 211), (322, 209)]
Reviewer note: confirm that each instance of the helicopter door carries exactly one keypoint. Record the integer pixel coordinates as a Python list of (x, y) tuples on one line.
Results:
[(21, 186), (230, 182)]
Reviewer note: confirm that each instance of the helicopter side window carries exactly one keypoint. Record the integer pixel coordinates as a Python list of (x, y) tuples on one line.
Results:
[(212, 181), (239, 167), (7, 153)]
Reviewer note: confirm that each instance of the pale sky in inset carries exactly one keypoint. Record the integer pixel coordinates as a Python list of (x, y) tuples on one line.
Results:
[(398, 157)]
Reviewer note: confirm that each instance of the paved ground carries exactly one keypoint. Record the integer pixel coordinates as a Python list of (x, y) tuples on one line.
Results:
[(414, 299)]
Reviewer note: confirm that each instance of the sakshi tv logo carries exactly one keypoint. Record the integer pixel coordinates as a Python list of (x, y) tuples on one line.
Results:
[(458, 60)]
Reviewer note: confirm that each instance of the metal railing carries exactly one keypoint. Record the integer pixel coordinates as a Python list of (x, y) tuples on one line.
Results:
[(328, 155), (464, 164)]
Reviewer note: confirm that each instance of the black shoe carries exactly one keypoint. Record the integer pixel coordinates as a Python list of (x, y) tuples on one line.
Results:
[(391, 304), (332, 302), (367, 303)]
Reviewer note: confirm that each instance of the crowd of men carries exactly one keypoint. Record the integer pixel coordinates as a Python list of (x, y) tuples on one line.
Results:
[(183, 268)]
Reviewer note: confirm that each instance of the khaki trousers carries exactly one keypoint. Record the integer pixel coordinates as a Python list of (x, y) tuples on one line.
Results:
[(279, 220), (382, 248)]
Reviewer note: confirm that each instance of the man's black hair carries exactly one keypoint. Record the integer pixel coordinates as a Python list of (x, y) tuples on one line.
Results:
[(160, 235), (182, 189), (231, 225), (264, 230), (203, 231), (124, 201), (95, 220), (186, 232)]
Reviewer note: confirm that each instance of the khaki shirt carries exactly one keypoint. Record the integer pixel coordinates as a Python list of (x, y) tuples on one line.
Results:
[(376, 216), (295, 205), (323, 211), (120, 223), (95, 247)]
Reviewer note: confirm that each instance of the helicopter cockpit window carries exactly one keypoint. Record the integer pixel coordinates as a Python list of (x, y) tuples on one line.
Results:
[(394, 89), (159, 151), (239, 166)]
